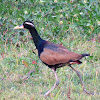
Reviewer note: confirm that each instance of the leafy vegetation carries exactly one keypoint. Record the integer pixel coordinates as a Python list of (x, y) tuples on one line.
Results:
[(73, 23)]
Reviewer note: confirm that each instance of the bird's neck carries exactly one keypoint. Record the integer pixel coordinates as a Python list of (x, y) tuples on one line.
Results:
[(36, 38)]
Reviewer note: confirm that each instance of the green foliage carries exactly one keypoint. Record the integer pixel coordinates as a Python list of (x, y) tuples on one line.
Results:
[(74, 23)]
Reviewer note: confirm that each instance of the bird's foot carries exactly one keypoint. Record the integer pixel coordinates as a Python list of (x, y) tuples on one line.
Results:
[(55, 85)]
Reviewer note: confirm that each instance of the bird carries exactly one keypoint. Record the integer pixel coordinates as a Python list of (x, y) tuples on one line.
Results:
[(54, 55)]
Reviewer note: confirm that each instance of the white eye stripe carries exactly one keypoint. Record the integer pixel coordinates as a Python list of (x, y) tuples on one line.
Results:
[(29, 24)]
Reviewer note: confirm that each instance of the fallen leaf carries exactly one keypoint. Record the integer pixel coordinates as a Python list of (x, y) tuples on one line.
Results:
[(34, 62), (25, 63)]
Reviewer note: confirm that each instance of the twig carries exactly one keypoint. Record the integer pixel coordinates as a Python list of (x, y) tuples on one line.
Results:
[(46, 27), (4, 33)]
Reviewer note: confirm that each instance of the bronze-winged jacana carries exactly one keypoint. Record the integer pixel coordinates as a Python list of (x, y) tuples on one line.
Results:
[(54, 55)]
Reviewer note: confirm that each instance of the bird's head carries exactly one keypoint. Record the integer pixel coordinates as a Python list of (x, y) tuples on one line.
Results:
[(26, 25)]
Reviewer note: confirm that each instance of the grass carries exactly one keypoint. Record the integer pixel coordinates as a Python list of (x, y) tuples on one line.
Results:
[(75, 24)]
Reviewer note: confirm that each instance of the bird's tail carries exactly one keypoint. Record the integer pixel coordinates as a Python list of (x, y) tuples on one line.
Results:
[(83, 55)]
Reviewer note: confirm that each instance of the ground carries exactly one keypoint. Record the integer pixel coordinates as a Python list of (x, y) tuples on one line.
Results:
[(72, 23)]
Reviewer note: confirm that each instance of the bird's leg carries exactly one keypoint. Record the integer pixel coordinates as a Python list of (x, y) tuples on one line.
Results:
[(55, 85), (82, 83)]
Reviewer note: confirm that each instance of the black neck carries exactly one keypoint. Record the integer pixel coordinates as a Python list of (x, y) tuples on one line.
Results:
[(36, 38)]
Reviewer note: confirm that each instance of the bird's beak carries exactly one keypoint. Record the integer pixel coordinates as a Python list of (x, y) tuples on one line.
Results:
[(19, 27)]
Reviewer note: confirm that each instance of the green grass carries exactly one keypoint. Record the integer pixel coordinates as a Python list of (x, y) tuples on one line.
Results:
[(74, 23)]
